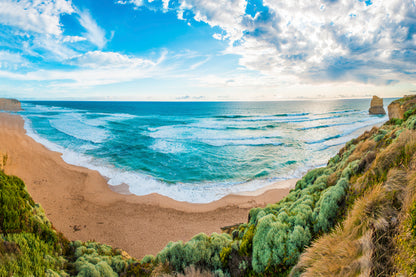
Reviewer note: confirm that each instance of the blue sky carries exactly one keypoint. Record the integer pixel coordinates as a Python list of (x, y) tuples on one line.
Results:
[(206, 50)]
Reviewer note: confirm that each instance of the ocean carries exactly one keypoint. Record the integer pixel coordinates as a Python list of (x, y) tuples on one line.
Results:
[(198, 151)]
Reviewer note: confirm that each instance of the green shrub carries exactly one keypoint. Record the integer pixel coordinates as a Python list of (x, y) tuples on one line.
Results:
[(411, 123), (201, 251), (91, 257), (328, 206), (395, 121), (409, 113), (28, 245), (34, 256)]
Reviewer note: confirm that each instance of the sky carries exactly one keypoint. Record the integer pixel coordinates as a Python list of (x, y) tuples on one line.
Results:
[(200, 50)]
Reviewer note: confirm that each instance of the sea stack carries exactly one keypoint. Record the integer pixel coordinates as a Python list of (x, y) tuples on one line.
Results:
[(377, 106), (10, 105)]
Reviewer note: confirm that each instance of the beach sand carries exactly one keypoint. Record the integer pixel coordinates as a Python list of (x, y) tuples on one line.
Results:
[(81, 204)]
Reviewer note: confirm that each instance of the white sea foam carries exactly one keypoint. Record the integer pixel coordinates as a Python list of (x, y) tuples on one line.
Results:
[(243, 142), (168, 147), (71, 125), (186, 132), (141, 184), (104, 118), (43, 108)]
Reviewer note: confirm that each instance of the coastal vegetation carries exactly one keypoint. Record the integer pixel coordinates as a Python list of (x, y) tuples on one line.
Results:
[(356, 216), (30, 246)]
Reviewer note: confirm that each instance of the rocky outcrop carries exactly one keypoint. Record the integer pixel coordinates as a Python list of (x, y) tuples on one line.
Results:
[(377, 106), (398, 107), (10, 104), (396, 110)]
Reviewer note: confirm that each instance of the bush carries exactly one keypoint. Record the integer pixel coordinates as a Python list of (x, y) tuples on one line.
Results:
[(92, 257), (29, 245), (411, 123), (201, 251), (328, 206)]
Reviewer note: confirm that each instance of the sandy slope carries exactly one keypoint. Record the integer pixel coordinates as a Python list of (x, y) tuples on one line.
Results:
[(80, 203)]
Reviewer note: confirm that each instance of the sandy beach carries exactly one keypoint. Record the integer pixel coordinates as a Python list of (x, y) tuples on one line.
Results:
[(81, 205)]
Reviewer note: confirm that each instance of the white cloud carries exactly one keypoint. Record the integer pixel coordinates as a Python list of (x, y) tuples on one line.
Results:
[(165, 4), (38, 32), (218, 36), (226, 14), (95, 34), (11, 61), (99, 59), (335, 40), (36, 16), (137, 3), (95, 68), (73, 39)]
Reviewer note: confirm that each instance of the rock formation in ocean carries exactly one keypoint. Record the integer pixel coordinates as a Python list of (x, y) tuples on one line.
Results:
[(398, 107), (10, 104), (377, 106)]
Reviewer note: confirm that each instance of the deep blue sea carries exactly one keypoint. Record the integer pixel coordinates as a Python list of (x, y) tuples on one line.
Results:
[(198, 151)]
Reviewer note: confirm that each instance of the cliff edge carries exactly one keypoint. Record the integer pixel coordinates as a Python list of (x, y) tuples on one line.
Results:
[(398, 108), (10, 104)]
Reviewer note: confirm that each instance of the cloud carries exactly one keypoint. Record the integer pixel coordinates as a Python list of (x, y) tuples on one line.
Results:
[(316, 40), (94, 68), (95, 34), (339, 40), (99, 59), (35, 16), (73, 39), (33, 29), (226, 14), (137, 3), (11, 61)]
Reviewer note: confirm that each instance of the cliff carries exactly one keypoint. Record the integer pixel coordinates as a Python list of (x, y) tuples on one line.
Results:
[(398, 108), (377, 106), (10, 104)]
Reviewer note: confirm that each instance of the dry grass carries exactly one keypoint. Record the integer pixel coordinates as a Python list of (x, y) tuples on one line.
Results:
[(373, 240), (397, 154), (405, 257), (336, 254), (404, 145), (347, 251), (361, 245), (361, 149)]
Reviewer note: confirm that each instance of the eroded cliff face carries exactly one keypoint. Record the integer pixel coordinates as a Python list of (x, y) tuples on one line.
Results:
[(396, 111), (377, 106), (398, 107), (10, 104)]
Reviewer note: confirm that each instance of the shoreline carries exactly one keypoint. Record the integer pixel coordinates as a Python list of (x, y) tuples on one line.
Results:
[(82, 205)]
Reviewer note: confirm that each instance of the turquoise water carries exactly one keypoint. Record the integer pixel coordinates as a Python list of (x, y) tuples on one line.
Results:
[(198, 151)]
